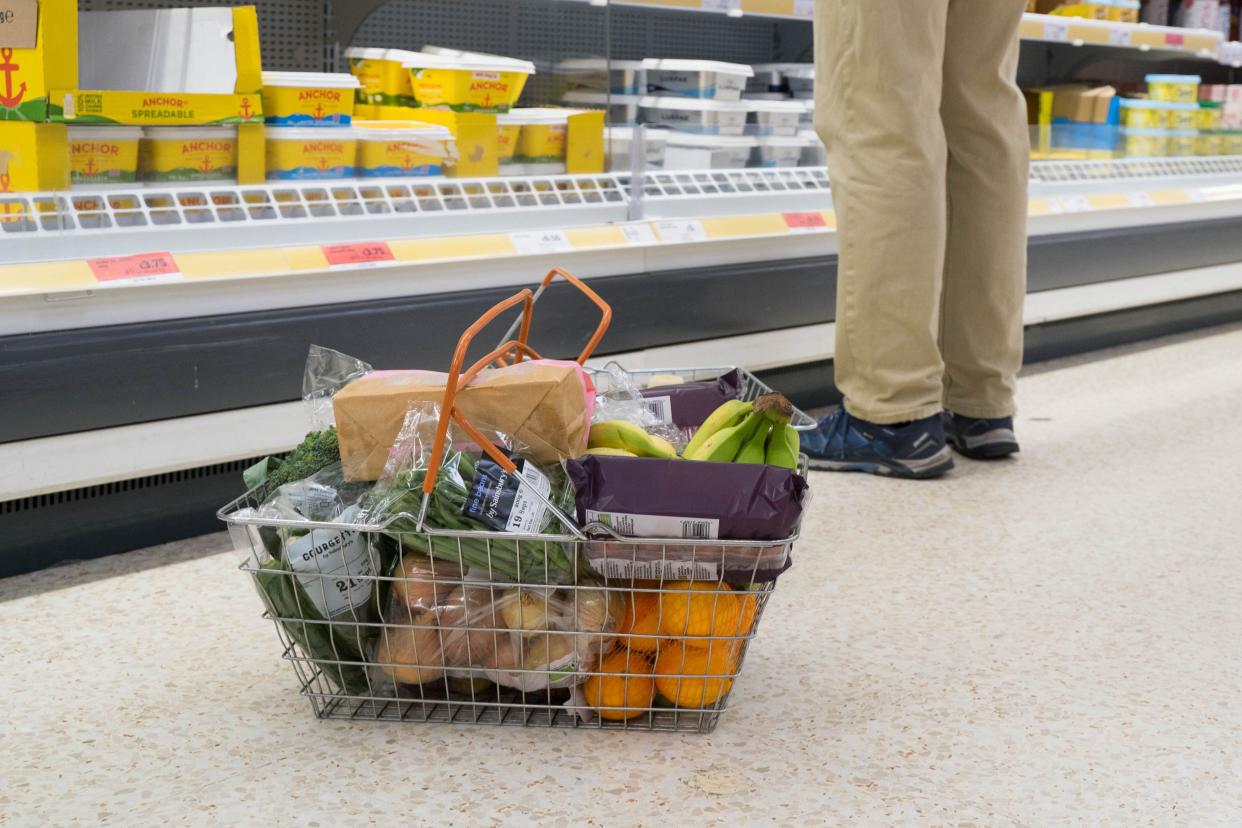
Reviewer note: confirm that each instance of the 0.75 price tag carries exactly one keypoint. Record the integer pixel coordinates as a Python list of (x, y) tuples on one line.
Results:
[(367, 254), (804, 222), (143, 267)]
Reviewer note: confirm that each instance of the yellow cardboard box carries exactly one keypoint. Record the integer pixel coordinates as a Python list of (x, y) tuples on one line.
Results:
[(28, 75), (33, 157)]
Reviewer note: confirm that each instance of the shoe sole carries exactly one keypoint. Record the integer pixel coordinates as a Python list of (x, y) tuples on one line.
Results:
[(994, 445), (924, 469)]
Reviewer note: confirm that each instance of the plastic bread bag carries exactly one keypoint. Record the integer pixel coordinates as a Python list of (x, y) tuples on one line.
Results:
[(754, 508), (474, 494), (620, 397), (688, 404), (327, 371), (320, 584), (441, 625)]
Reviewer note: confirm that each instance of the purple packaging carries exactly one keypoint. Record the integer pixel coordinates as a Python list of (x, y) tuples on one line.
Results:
[(639, 497), (689, 404)]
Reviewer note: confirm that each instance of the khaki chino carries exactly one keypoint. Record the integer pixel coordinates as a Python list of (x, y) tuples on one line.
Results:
[(928, 153)]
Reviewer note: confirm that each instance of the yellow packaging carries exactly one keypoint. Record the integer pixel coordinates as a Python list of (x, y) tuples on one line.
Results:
[(542, 134), (1210, 143), (388, 149), (507, 141), (1231, 142), (1141, 114), (1173, 88), (384, 80), (1146, 143), (1181, 116), (1092, 11), (467, 84), (28, 76), (308, 99), (33, 158), (103, 155), (310, 153), (475, 134), (188, 154), (1183, 143), (1208, 116)]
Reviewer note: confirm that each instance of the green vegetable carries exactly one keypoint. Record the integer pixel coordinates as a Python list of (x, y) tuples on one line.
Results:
[(317, 451), (518, 560)]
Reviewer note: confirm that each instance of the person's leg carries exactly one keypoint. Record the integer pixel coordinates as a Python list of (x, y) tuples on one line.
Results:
[(877, 110), (984, 118)]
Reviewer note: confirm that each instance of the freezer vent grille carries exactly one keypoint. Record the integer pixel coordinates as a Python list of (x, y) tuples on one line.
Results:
[(1132, 169)]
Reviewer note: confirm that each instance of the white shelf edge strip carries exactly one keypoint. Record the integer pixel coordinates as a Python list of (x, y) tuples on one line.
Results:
[(90, 458)]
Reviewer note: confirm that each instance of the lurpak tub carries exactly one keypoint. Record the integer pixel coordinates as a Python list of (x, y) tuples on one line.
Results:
[(709, 79), (707, 117)]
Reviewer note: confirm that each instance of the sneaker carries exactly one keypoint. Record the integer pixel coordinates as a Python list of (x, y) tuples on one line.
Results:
[(979, 438), (844, 443)]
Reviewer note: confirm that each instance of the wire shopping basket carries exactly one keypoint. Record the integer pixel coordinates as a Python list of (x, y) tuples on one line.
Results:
[(576, 628)]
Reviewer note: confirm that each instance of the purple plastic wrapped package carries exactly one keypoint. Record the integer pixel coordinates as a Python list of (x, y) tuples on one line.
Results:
[(689, 404), (735, 521)]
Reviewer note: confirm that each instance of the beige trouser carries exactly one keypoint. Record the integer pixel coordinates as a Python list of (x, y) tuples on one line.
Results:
[(917, 103)]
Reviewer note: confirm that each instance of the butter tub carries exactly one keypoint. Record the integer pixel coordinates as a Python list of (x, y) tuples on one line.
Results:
[(467, 83), (700, 115), (621, 139), (1173, 88), (382, 76), (710, 79), (687, 151), (542, 133), (775, 117), (778, 151), (621, 109), (309, 99), (619, 77), (403, 149), (311, 153), (795, 79), (188, 154), (101, 155), (813, 154)]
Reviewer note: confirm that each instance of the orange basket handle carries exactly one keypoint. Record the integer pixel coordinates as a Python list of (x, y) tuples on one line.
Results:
[(524, 323), (449, 410)]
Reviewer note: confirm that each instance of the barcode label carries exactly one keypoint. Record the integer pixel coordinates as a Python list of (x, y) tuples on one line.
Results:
[(661, 408), (656, 526), (655, 570)]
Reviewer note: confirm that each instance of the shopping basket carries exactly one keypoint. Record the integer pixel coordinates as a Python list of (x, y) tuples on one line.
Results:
[(656, 645)]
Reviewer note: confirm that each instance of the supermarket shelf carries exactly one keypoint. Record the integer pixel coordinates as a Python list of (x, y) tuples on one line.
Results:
[(86, 459)]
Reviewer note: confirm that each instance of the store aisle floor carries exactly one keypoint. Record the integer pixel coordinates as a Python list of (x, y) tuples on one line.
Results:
[(1051, 640)]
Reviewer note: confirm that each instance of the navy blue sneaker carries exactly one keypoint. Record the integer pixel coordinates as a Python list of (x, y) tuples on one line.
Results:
[(980, 438), (844, 443)]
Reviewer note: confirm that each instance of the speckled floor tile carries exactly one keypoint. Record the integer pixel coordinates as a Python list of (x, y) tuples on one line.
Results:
[(1049, 641)]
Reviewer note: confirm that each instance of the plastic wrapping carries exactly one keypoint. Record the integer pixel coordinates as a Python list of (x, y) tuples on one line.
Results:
[(624, 400), (327, 371), (687, 405), (473, 493), (675, 500), (441, 623)]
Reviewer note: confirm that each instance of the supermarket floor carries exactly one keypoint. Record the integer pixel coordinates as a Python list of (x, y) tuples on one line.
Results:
[(1052, 640)]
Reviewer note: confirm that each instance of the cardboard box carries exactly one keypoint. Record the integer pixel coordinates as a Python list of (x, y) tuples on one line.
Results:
[(29, 75), (33, 158), (544, 405)]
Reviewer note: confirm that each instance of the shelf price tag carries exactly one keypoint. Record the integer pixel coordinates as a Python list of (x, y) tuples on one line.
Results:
[(143, 267), (1119, 36), (543, 241), (1140, 199), (363, 254), (804, 8), (680, 232), (804, 222), (1175, 40), (727, 6), (639, 234), (1056, 31), (1075, 204)]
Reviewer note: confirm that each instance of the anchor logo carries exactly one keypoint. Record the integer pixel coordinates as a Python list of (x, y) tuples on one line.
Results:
[(8, 68), (245, 109), (319, 112), (408, 163), (90, 166), (206, 165)]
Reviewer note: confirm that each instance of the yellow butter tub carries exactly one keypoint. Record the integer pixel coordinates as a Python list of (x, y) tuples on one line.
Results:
[(204, 153), (309, 99), (1173, 88), (403, 149), (467, 83), (542, 133), (311, 153), (103, 155), (381, 72)]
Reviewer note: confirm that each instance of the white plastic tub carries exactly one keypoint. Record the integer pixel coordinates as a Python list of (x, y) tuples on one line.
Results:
[(813, 154), (621, 109), (620, 77), (778, 151), (687, 151), (621, 142), (699, 115), (796, 79), (710, 79), (775, 117)]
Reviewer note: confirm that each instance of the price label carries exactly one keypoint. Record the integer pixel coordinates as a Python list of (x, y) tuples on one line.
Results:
[(1175, 41), (727, 6), (1119, 36), (545, 241), (804, 8), (1140, 199), (1075, 204), (680, 232), (1056, 31), (804, 222), (639, 234), (368, 254), (144, 267), (1196, 195)]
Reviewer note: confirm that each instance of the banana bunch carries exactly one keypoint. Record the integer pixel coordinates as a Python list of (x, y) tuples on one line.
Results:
[(742, 432), (618, 438)]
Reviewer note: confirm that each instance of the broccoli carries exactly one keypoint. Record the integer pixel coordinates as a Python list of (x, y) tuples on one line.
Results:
[(319, 450)]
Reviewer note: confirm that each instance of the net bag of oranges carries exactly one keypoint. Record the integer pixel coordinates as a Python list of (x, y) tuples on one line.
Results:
[(413, 615)]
